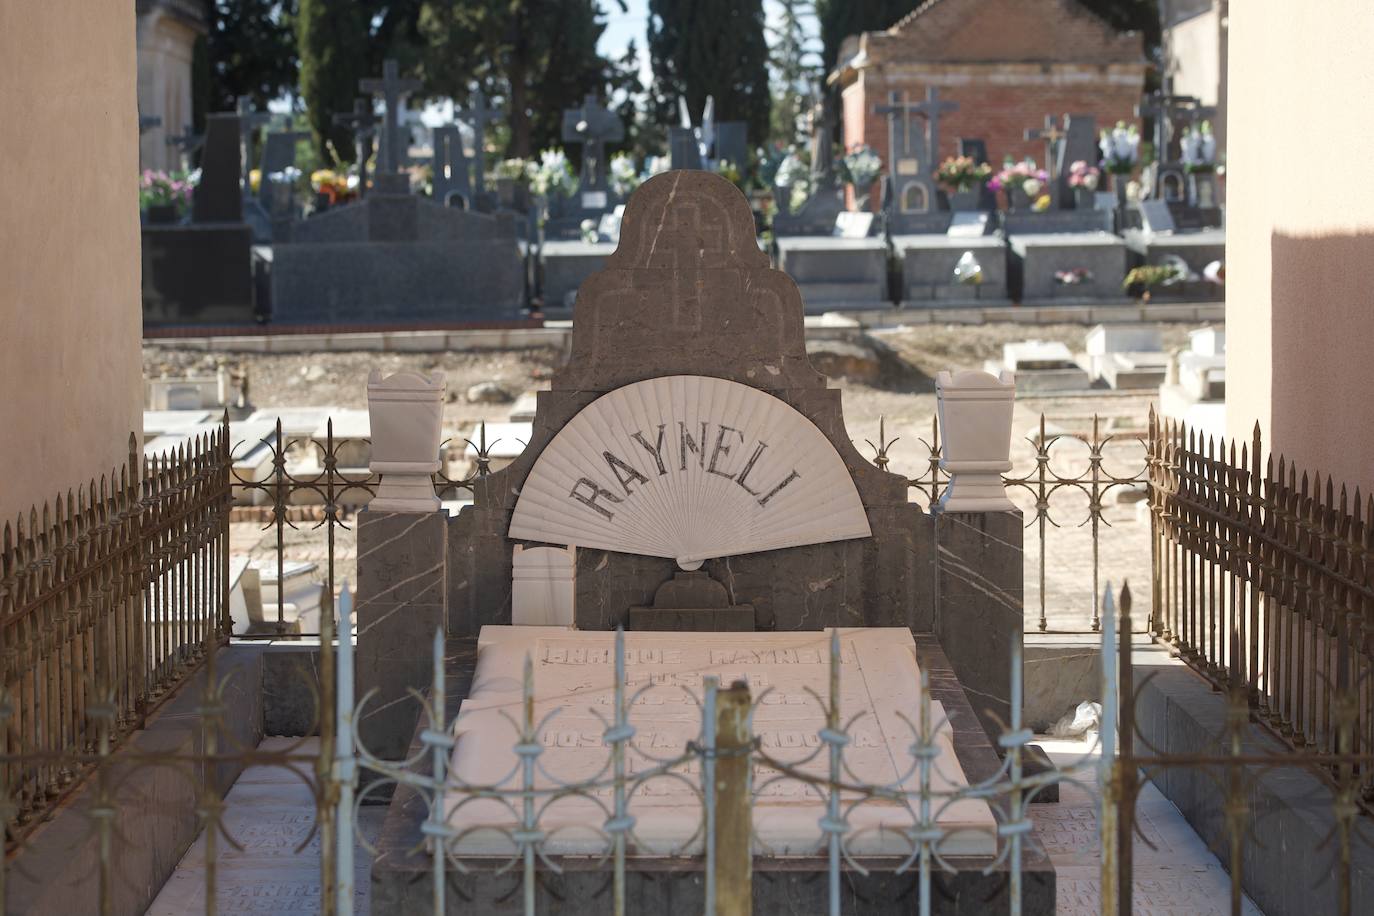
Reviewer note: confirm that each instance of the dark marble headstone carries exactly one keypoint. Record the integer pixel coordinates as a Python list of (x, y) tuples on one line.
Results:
[(683, 150), (732, 144), (219, 197), (1053, 138), (452, 168), (592, 126), (393, 90), (913, 131), (977, 149), (1080, 145), (478, 115)]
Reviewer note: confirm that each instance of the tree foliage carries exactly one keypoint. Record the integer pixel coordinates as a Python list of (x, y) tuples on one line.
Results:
[(334, 40), (716, 48), (796, 66), (538, 56), (841, 18), (251, 50)]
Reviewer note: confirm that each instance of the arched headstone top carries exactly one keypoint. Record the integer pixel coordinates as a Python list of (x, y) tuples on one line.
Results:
[(688, 291)]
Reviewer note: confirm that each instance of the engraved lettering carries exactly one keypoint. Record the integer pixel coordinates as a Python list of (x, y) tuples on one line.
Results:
[(778, 489), (749, 466), (722, 449), (629, 476), (656, 450), (685, 444), (587, 492)]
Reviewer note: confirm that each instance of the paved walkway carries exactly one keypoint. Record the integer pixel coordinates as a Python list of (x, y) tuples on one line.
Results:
[(270, 812)]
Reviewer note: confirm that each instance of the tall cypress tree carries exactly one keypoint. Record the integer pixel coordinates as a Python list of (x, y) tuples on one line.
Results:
[(711, 47), (333, 40), (841, 18)]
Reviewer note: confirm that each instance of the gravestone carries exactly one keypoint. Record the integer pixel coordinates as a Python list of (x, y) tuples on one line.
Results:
[(1080, 145), (393, 89), (977, 150), (911, 195), (451, 169), (202, 273), (1159, 240), (687, 422), (1167, 178), (816, 215), (277, 199), (394, 257), (590, 126), (1041, 365), (708, 145), (1053, 138), (362, 121), (477, 116), (249, 122)]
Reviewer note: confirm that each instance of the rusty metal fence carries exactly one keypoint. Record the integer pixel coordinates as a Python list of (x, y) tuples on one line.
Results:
[(109, 597), (1264, 576)]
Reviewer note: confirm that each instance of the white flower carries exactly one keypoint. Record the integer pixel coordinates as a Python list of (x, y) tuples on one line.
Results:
[(1032, 187), (553, 174), (624, 178)]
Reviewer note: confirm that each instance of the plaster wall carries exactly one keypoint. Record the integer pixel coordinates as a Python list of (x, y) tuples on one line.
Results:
[(1299, 306), (165, 46), (1194, 56), (70, 316)]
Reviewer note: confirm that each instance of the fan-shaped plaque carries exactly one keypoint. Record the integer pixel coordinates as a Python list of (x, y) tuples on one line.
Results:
[(692, 468)]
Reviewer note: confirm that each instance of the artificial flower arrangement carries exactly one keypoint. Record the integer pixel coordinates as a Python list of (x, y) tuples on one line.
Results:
[(166, 189), (1199, 148), (1082, 175), (624, 177), (1074, 276), (656, 165), (336, 187), (962, 174), (860, 167), (1020, 176), (1147, 276), (1120, 148), (588, 229), (553, 175), (794, 177), (727, 170)]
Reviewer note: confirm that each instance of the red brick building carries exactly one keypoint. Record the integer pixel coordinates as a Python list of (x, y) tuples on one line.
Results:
[(1008, 63)]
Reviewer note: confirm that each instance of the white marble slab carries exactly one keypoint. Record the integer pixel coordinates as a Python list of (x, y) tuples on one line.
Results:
[(573, 686)]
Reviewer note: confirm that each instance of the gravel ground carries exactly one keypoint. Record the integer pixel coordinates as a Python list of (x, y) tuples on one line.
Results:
[(902, 397)]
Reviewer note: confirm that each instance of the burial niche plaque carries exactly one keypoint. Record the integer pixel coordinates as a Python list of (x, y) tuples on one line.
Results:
[(690, 468), (574, 699)]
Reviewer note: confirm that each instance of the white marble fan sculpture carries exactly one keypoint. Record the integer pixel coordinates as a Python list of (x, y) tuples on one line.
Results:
[(691, 468)]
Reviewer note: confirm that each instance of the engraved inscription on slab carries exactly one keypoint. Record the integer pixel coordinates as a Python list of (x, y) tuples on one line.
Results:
[(908, 166), (664, 672)]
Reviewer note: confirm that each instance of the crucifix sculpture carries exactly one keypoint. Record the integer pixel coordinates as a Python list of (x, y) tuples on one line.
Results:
[(362, 120), (1053, 136), (478, 115), (592, 126), (393, 90), (249, 122)]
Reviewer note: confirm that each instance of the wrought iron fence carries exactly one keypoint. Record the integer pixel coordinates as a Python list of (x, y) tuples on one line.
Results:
[(1062, 480), (1264, 576), (109, 596)]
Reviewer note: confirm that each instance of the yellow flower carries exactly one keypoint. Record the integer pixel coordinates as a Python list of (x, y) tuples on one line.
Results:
[(1042, 203), (321, 177), (255, 178)]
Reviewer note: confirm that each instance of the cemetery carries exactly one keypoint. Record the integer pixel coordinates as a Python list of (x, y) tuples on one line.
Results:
[(685, 457)]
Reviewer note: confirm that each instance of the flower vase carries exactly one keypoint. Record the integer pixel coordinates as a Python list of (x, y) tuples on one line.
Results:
[(1119, 185), (322, 201), (1018, 199), (975, 410), (963, 200), (162, 214), (406, 414), (1083, 199)]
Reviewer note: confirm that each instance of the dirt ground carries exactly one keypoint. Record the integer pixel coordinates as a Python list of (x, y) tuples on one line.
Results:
[(902, 398)]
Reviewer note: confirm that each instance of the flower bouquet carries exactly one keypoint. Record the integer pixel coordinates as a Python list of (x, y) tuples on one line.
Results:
[(963, 178), (793, 179), (1199, 148), (1074, 276), (859, 168), (1120, 148), (1141, 280), (1021, 181), (164, 196), (553, 175), (624, 176), (333, 187), (1084, 179)]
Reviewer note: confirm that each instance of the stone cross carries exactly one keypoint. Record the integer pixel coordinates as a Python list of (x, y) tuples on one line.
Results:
[(1169, 112), (362, 120), (393, 90), (911, 150), (249, 122), (1053, 137), (478, 115), (450, 166), (592, 126)]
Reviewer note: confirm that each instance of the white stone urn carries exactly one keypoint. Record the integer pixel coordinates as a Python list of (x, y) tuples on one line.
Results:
[(406, 413), (975, 426)]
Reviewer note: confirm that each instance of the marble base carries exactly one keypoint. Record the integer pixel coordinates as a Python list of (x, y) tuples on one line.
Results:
[(928, 263)]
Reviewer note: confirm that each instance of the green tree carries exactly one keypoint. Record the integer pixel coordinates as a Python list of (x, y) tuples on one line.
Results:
[(251, 51), (334, 40), (715, 48), (841, 18), (796, 64), (537, 56)]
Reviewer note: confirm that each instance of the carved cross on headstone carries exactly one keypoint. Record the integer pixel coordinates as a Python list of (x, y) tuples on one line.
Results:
[(592, 126), (1053, 137), (362, 120), (478, 115), (249, 122), (393, 90), (450, 165), (911, 149), (1171, 112)]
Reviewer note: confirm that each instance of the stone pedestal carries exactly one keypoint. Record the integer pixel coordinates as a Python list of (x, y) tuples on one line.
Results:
[(928, 263), (836, 273), (979, 605), (400, 603)]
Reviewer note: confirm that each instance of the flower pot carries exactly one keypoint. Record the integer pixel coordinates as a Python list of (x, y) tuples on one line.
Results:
[(1018, 199), (406, 413), (963, 200), (161, 214), (1083, 199), (975, 410)]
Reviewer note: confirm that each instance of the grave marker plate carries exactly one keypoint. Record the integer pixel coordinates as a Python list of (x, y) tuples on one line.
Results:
[(574, 672)]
